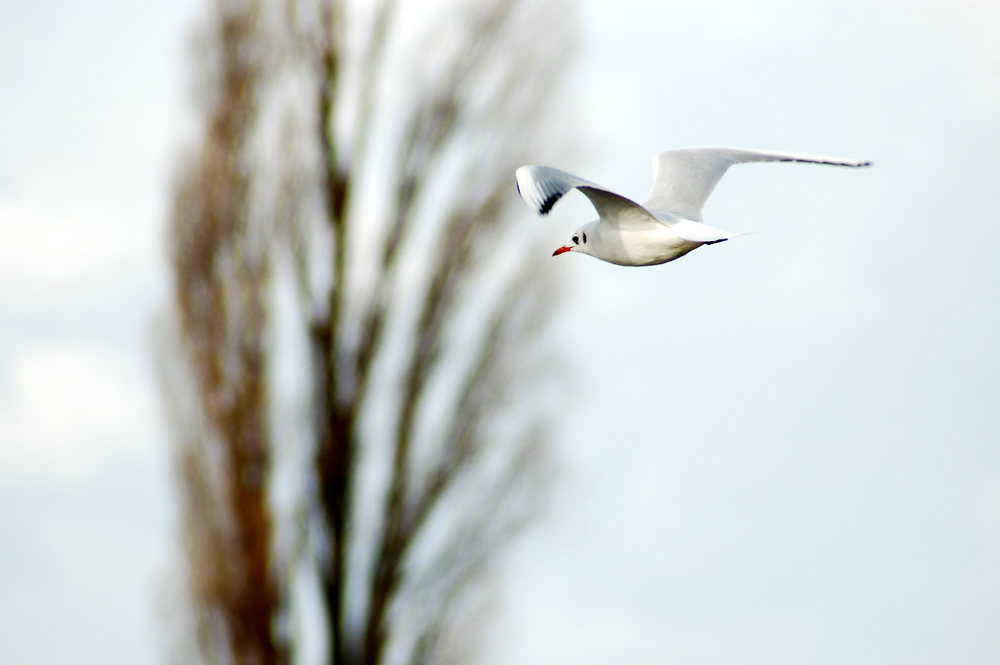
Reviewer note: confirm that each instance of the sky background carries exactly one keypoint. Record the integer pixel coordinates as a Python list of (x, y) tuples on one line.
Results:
[(781, 449)]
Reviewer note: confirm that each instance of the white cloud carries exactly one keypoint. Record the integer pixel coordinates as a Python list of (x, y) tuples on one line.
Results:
[(64, 410), (47, 250)]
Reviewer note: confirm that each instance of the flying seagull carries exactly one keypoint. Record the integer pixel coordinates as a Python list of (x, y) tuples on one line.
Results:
[(668, 224)]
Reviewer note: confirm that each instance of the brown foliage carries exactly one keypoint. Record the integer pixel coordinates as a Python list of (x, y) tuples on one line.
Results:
[(398, 523)]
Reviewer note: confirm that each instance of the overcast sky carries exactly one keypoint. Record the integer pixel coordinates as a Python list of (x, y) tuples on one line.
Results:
[(780, 449)]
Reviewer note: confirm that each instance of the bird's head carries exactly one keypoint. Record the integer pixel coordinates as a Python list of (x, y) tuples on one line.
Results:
[(580, 242)]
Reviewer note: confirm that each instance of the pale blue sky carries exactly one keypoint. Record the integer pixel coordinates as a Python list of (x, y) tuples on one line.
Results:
[(780, 449)]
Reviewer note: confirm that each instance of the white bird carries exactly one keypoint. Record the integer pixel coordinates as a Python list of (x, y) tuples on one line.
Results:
[(668, 224)]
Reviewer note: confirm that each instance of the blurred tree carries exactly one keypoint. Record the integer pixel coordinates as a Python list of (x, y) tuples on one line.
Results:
[(370, 147)]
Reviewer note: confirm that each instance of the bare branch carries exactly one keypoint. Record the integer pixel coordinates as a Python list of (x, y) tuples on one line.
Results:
[(402, 577), (221, 276)]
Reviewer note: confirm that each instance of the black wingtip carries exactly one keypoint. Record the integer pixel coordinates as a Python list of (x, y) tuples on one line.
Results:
[(548, 203)]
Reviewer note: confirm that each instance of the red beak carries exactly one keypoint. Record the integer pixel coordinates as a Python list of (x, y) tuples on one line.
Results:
[(561, 250)]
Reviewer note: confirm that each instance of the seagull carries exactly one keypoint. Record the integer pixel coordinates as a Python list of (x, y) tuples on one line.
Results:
[(668, 224)]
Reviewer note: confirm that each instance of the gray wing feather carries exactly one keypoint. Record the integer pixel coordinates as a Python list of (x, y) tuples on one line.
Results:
[(683, 179), (542, 186)]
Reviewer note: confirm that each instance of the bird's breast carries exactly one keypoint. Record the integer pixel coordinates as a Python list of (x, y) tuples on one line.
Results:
[(643, 248)]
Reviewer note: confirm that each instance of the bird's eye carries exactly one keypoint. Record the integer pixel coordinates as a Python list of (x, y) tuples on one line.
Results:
[(585, 238), (576, 239)]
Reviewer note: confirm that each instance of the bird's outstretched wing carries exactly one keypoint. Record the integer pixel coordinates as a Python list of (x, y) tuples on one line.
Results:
[(683, 179), (542, 186)]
